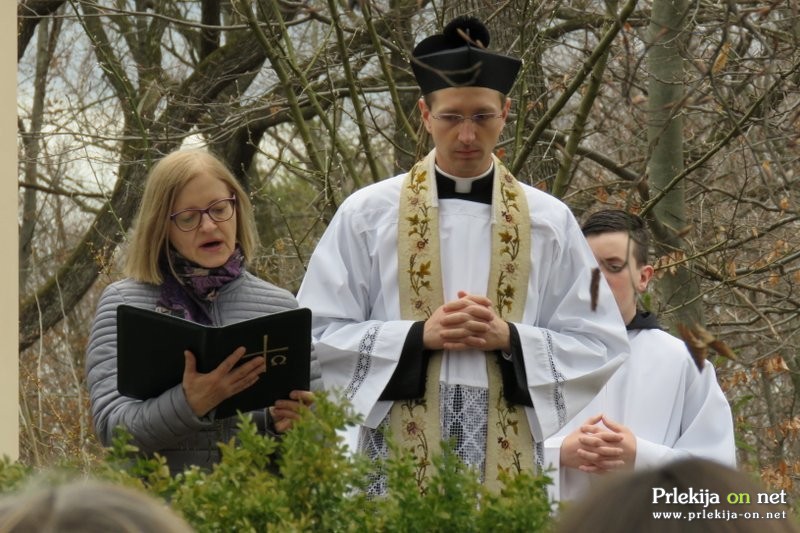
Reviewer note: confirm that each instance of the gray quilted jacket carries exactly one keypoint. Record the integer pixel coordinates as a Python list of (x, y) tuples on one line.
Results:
[(166, 424)]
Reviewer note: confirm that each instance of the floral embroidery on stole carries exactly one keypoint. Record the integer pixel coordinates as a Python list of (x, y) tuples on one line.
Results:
[(415, 424)]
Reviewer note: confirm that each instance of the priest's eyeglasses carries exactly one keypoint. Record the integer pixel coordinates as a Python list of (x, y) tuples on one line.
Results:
[(454, 119), (219, 211)]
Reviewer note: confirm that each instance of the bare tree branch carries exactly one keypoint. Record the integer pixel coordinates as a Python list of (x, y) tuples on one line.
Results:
[(29, 14)]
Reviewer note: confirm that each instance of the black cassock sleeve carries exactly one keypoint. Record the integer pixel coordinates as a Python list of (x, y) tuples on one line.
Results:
[(512, 370), (408, 380)]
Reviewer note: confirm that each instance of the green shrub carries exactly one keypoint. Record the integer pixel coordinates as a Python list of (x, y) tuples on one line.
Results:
[(13, 475), (320, 487)]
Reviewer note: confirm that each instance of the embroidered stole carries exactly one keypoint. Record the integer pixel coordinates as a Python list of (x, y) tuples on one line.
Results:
[(416, 424)]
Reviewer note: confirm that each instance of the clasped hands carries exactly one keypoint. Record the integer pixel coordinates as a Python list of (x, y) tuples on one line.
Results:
[(600, 445), (206, 391), (470, 322)]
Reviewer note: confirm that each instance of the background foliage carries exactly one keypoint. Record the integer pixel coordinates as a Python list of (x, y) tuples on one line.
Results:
[(684, 112)]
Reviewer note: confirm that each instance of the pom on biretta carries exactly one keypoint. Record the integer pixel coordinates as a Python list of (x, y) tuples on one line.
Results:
[(459, 57)]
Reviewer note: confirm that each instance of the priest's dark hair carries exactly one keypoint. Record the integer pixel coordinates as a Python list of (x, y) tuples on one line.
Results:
[(617, 220), (459, 57)]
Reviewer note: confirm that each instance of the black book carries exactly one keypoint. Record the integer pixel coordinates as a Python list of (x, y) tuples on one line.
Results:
[(150, 356)]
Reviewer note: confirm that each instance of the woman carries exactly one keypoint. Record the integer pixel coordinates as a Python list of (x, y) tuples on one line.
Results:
[(187, 255)]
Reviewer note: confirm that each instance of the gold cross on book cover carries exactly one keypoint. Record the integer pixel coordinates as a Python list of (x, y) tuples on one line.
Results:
[(277, 359)]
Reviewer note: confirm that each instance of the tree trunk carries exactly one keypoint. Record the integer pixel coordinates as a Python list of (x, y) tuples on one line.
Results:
[(31, 144), (679, 288), (404, 143)]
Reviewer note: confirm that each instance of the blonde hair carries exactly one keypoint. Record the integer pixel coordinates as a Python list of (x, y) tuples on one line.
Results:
[(88, 507), (166, 179)]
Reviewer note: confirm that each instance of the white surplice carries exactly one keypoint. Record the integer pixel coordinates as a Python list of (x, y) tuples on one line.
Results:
[(674, 411), (351, 287)]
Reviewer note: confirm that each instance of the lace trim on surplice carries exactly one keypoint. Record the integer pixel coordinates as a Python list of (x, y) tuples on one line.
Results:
[(464, 418), (558, 382), (365, 349)]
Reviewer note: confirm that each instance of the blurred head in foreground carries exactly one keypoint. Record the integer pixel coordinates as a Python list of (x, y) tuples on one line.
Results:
[(88, 507), (683, 496)]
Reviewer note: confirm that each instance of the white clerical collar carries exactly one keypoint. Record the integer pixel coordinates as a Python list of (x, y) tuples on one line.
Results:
[(464, 185)]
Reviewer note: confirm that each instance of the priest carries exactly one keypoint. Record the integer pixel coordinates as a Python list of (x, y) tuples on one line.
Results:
[(452, 302)]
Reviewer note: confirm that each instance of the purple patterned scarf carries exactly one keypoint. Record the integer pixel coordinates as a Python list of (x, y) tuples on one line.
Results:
[(189, 295)]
